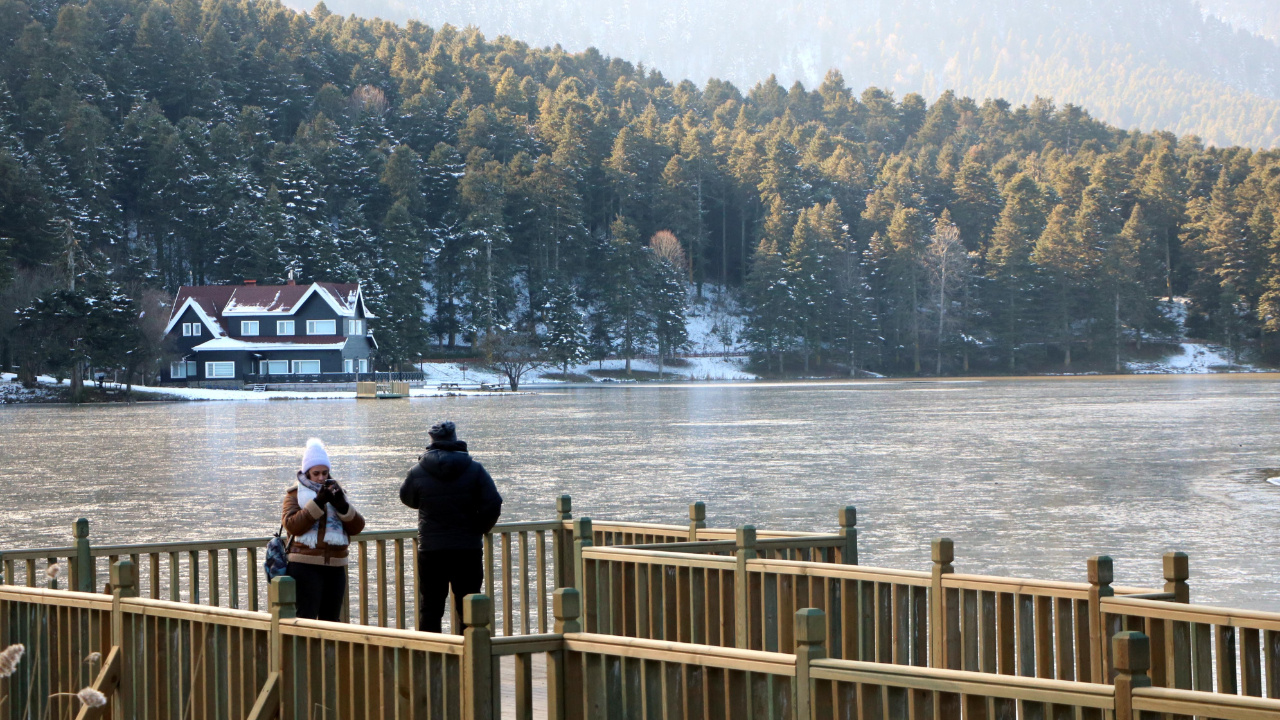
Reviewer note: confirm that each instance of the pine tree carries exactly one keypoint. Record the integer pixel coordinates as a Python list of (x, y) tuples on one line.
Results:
[(625, 263), (1062, 259), (1013, 283), (769, 329), (565, 341)]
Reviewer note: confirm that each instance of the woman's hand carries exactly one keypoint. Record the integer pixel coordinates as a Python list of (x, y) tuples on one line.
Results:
[(324, 496), (340, 502)]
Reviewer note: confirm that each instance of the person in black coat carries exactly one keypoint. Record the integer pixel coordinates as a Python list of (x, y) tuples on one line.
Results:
[(457, 504)]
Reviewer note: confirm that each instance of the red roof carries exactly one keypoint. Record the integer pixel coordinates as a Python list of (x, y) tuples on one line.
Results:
[(215, 301)]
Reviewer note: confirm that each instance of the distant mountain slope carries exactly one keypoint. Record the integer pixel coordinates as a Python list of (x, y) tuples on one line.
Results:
[(1150, 64), (1259, 16)]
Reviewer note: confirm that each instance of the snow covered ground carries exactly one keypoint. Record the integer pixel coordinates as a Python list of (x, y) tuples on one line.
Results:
[(714, 324), (713, 368), (1195, 358), (13, 392)]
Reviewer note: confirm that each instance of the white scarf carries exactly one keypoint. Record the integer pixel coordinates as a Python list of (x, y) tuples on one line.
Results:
[(334, 535)]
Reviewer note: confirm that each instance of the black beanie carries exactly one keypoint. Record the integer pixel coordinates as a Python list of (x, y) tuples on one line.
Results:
[(443, 431)]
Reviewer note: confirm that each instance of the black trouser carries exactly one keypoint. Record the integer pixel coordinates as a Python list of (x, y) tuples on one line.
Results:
[(437, 571), (322, 590)]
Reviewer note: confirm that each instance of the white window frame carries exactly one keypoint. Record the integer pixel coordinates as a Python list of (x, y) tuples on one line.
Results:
[(348, 365), (216, 370), (285, 327), (186, 329), (269, 363), (355, 327), (364, 365), (193, 369), (195, 329), (314, 325), (298, 371), (178, 370), (249, 327)]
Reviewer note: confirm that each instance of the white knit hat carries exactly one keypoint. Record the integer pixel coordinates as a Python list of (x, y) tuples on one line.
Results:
[(314, 455)]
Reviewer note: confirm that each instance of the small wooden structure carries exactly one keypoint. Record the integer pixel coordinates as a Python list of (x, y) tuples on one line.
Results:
[(634, 620), (381, 390)]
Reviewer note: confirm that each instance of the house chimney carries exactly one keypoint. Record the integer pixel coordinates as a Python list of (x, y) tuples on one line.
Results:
[(251, 283), (291, 282)]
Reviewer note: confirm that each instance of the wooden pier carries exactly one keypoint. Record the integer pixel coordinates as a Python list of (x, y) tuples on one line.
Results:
[(381, 390), (587, 619)]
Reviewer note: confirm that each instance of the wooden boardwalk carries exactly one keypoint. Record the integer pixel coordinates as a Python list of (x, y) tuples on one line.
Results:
[(602, 620)]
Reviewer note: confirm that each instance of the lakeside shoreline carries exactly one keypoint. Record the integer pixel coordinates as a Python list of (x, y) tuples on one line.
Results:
[(49, 394)]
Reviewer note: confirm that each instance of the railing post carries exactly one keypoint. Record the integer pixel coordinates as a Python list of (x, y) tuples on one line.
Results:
[(1176, 572), (585, 582), (582, 538), (1132, 653), (124, 584), (82, 566), (849, 531), (811, 633), (477, 656), (944, 553), (567, 606), (282, 596), (697, 519), (563, 549), (1101, 575), (745, 551)]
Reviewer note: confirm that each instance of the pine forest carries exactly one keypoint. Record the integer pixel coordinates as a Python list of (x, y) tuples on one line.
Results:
[(486, 193)]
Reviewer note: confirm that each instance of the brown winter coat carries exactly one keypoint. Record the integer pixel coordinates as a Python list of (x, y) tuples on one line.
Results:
[(299, 520)]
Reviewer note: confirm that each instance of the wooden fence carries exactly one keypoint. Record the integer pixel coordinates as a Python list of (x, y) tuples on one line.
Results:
[(524, 562), (1033, 628), (160, 659)]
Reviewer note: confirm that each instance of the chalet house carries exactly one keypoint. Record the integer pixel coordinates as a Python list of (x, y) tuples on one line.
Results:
[(229, 334)]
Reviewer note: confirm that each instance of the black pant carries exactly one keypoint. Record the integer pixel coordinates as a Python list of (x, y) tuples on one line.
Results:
[(322, 590), (437, 571)]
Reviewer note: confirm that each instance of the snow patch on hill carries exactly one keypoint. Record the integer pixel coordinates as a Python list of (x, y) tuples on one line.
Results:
[(1195, 358)]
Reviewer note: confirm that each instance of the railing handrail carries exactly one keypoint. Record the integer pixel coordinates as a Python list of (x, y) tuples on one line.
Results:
[(188, 611), (243, 542), (629, 554), (1224, 706), (706, 655), (1180, 612), (851, 572), (385, 637), (47, 596), (966, 682)]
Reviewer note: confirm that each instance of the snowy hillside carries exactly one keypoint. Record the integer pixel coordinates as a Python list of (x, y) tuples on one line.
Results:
[(1195, 358), (714, 325)]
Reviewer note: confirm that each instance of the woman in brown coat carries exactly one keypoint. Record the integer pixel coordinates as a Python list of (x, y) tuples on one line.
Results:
[(320, 519)]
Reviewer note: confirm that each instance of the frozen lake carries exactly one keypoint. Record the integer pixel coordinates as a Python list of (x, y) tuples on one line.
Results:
[(1029, 477)]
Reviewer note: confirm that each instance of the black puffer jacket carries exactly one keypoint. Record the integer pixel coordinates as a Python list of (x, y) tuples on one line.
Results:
[(455, 497)]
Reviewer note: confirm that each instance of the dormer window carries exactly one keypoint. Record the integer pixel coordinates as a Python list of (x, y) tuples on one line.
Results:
[(322, 327), (248, 327)]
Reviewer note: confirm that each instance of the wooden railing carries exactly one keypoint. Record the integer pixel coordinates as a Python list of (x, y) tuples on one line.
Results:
[(168, 660), (1010, 626), (524, 563), (1209, 649)]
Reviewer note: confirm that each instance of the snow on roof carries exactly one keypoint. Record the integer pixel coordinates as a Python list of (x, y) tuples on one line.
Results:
[(287, 299), (213, 302), (205, 307), (312, 342)]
